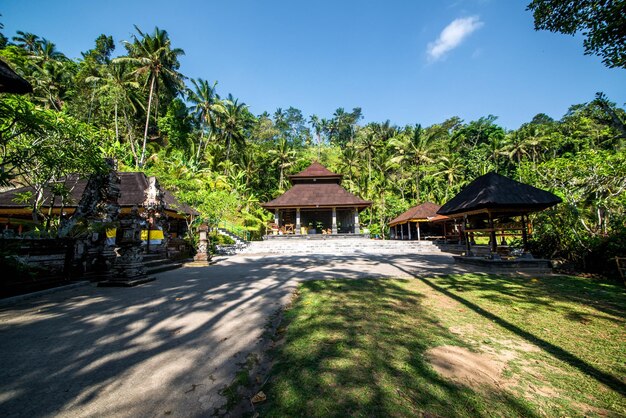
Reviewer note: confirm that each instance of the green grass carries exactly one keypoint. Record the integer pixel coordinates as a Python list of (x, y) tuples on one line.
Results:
[(357, 347)]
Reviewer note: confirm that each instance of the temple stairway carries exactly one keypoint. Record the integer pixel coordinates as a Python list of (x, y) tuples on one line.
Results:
[(339, 246)]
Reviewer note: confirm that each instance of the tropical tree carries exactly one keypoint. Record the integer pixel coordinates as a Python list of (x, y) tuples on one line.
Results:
[(602, 23), (157, 62), (413, 147), (27, 41), (283, 157), (207, 107), (235, 121)]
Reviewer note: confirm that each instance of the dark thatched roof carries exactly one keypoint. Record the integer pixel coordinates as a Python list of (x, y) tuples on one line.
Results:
[(424, 212), (498, 193), (132, 192), (10, 82)]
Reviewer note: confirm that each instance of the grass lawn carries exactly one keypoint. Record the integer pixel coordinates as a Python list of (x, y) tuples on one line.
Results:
[(459, 345)]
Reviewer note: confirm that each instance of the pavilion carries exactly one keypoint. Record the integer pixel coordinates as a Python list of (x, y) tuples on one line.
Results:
[(11, 82), (498, 207), (316, 204), (421, 222)]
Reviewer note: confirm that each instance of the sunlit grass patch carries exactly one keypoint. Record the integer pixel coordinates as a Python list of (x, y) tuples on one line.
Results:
[(360, 348)]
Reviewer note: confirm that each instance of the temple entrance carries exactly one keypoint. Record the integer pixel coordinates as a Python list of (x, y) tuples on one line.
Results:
[(316, 221)]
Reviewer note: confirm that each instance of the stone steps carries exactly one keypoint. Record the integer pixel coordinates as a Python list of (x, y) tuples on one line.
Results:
[(339, 246)]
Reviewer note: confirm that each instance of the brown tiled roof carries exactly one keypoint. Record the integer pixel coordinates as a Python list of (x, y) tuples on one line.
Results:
[(311, 195), (425, 211), (10, 82), (132, 189), (315, 170)]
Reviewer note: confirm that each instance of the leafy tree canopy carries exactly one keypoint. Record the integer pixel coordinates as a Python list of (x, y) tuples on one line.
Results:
[(602, 22)]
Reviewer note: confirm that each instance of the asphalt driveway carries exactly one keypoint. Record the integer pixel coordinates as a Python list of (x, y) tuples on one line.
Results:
[(164, 348)]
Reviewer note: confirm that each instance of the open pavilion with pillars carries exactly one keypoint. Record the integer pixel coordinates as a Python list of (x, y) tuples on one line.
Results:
[(316, 204), (423, 222), (497, 207)]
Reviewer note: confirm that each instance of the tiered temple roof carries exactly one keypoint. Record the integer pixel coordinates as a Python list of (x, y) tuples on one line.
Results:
[(316, 187)]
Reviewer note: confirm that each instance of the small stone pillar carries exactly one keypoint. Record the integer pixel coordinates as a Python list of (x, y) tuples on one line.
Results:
[(334, 226), (298, 221), (203, 251), (357, 227), (128, 269)]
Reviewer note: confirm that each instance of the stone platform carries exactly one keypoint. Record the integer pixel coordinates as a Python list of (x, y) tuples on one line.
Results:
[(523, 265)]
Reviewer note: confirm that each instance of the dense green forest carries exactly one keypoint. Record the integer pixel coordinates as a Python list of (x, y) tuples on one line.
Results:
[(207, 147)]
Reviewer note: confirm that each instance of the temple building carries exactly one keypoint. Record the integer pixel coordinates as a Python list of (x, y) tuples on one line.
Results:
[(16, 212), (316, 204)]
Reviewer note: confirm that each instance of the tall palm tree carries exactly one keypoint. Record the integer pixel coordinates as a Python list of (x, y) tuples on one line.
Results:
[(117, 83), (28, 41), (157, 61), (46, 51), (208, 107), (284, 157), (450, 167), (236, 119), (415, 148), (318, 127)]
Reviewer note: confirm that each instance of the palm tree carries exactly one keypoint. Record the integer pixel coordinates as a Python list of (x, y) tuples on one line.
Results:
[(236, 119), (284, 157), (450, 167), (28, 41), (415, 148), (155, 59), (116, 82), (318, 127), (207, 106), (46, 51)]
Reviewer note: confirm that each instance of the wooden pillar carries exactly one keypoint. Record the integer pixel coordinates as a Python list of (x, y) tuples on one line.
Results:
[(468, 248), (493, 247), (334, 226), (408, 224), (277, 217), (402, 232), (526, 254), (396, 228), (357, 227), (445, 234), (419, 235), (297, 221)]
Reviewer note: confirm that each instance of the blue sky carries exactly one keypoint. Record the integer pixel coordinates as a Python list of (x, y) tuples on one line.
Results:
[(394, 59)]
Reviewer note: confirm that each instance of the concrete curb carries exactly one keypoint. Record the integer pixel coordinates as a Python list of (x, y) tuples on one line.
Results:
[(19, 298)]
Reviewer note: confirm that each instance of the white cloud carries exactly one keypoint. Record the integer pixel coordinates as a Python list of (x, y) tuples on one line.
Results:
[(452, 36)]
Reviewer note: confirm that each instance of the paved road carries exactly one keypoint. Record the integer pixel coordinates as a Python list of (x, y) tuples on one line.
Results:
[(165, 348)]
